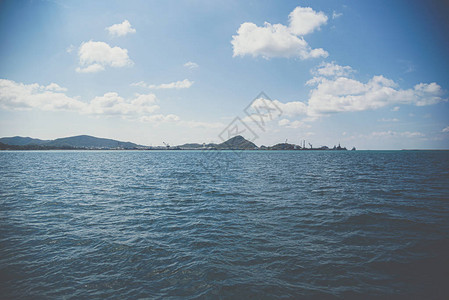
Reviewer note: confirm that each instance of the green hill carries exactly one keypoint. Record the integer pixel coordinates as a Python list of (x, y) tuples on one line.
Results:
[(75, 142), (21, 141), (86, 141), (237, 143)]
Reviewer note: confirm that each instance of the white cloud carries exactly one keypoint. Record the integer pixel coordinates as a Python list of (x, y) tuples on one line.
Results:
[(336, 15), (283, 122), (139, 84), (396, 108), (388, 120), (277, 40), (55, 87), (389, 133), (334, 92), (90, 69), (19, 96), (120, 29), (112, 104), (199, 124), (191, 65), (293, 124), (446, 129), (182, 84), (304, 20), (263, 111), (95, 56), (160, 118), (332, 69), (294, 108)]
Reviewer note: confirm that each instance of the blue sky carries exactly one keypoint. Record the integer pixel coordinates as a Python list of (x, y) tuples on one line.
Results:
[(369, 74)]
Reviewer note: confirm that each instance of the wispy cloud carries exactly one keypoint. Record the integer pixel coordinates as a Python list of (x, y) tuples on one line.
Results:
[(407, 66), (157, 119), (293, 124), (388, 120), (200, 124), (182, 84), (390, 133), (191, 65), (336, 15), (70, 49)]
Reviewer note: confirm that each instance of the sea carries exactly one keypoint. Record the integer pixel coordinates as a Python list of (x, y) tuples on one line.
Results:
[(224, 224)]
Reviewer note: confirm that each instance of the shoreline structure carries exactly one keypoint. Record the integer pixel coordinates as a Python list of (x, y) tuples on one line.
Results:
[(85, 142)]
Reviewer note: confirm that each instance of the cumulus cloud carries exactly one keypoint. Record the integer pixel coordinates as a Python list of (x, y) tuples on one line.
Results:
[(191, 65), (95, 56), (19, 96), (112, 104), (335, 92), (304, 20), (331, 70), (446, 129), (182, 84), (278, 40), (121, 29)]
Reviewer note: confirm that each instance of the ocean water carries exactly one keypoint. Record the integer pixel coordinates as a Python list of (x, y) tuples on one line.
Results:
[(223, 225)]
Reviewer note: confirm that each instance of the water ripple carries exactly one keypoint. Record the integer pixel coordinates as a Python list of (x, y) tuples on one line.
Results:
[(111, 224)]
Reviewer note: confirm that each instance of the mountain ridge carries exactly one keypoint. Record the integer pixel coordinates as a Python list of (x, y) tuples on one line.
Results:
[(87, 142), (22, 141), (75, 142)]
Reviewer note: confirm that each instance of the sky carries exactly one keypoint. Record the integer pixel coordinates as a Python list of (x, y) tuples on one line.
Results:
[(366, 74)]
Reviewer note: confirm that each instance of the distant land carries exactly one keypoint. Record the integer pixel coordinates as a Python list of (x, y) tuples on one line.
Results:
[(86, 142)]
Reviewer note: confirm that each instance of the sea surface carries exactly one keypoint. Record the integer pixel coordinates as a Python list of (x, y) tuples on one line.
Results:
[(224, 224)]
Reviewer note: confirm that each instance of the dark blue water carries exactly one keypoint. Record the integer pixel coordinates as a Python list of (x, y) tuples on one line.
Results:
[(270, 224)]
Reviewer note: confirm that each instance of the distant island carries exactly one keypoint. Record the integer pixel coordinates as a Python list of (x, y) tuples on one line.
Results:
[(86, 142)]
